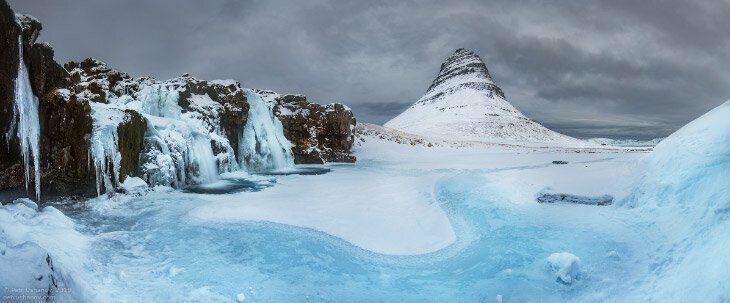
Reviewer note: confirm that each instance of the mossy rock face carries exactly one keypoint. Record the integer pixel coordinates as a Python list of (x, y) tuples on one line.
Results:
[(131, 141)]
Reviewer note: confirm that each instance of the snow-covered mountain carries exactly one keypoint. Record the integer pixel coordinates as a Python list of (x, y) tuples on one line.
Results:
[(464, 103)]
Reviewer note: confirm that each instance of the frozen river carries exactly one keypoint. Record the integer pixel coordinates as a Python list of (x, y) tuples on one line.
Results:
[(382, 230)]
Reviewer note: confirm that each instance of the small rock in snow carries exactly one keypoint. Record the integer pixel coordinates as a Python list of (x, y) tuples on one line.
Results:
[(576, 199), (565, 265), (560, 162), (133, 185)]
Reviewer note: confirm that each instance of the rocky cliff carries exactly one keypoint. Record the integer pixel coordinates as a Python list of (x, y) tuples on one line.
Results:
[(99, 125)]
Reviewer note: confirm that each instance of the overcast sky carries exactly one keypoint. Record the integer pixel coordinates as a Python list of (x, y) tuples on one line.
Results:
[(602, 68)]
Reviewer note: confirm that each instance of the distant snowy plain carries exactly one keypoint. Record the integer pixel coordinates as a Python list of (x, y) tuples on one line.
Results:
[(415, 224)]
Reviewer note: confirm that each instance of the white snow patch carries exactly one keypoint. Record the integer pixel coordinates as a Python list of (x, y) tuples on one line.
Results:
[(38, 246), (390, 215), (225, 82)]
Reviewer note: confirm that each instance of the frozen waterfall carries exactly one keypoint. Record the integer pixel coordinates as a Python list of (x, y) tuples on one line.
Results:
[(104, 147), (25, 123), (160, 101), (184, 146), (263, 145), (201, 154)]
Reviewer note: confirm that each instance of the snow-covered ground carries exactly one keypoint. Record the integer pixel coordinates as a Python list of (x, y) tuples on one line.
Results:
[(626, 142), (413, 223)]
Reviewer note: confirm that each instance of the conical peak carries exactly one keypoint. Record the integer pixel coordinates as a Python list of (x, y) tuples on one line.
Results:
[(462, 64)]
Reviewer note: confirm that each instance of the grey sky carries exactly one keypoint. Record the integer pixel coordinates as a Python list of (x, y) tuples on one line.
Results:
[(598, 68)]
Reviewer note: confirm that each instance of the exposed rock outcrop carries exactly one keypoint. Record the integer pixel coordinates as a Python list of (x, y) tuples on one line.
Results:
[(65, 127), (320, 133), (576, 199)]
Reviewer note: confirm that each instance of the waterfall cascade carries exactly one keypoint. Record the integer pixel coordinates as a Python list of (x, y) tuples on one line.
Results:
[(176, 155), (263, 145), (181, 151), (184, 146), (26, 123)]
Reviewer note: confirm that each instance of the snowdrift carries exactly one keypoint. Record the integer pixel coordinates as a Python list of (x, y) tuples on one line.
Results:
[(686, 188)]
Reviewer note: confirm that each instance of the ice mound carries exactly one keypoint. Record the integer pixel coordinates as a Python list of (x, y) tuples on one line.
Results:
[(686, 192), (565, 265), (690, 168)]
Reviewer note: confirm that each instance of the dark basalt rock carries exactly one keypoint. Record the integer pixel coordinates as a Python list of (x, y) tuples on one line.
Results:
[(31, 29), (9, 32), (65, 131), (46, 73), (319, 133)]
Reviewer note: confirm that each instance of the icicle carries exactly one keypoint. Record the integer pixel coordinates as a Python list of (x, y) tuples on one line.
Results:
[(263, 145), (26, 124), (104, 148)]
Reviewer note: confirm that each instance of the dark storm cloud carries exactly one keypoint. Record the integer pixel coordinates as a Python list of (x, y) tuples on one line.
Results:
[(599, 68)]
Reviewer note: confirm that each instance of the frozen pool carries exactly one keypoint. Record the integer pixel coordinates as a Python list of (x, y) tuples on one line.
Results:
[(151, 249)]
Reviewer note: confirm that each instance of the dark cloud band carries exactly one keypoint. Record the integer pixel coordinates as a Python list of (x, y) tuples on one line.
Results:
[(600, 68)]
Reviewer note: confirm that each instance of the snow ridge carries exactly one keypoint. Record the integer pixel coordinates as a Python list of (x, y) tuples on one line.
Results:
[(464, 103)]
